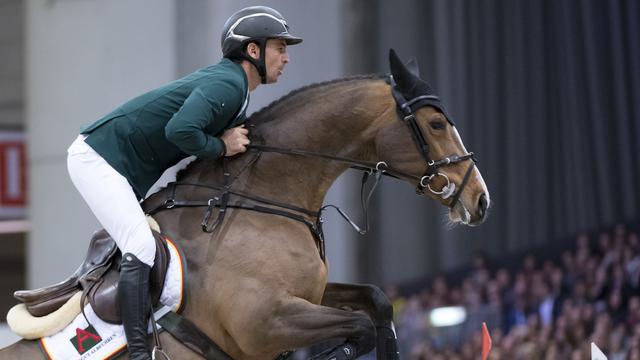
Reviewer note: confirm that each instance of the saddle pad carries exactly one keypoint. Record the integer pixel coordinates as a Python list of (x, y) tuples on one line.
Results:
[(98, 340)]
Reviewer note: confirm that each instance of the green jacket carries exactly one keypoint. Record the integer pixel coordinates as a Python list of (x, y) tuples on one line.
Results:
[(152, 132)]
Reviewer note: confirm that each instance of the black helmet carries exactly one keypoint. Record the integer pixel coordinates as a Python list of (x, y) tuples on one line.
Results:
[(254, 24)]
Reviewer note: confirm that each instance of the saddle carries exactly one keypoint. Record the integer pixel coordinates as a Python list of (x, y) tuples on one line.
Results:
[(97, 277)]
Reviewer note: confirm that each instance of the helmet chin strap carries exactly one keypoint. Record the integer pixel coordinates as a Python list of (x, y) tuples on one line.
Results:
[(259, 63)]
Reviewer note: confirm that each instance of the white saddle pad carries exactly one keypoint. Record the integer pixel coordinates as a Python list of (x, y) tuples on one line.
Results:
[(98, 340)]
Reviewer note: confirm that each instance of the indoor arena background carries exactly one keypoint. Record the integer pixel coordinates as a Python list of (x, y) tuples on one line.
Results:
[(546, 94)]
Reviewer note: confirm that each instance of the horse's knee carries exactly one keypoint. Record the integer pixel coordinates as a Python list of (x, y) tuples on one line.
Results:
[(386, 340), (383, 310)]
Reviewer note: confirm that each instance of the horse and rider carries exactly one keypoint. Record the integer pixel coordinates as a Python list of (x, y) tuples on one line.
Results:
[(261, 272)]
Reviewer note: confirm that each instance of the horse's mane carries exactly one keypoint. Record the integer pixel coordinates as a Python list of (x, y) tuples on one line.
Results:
[(263, 112)]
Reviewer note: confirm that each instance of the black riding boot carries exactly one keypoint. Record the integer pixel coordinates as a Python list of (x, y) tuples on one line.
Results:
[(134, 301)]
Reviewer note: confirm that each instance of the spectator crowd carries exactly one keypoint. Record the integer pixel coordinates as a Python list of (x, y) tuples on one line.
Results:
[(544, 309)]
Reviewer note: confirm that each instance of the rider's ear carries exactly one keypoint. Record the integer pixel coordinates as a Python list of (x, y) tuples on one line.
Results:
[(253, 50)]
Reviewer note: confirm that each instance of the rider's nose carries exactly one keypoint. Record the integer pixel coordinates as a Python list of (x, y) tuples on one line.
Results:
[(483, 204)]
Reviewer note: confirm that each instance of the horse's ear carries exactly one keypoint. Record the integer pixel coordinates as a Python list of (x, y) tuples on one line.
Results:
[(395, 65), (400, 73), (412, 66)]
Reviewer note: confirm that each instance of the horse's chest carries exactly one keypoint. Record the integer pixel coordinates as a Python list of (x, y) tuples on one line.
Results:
[(277, 253)]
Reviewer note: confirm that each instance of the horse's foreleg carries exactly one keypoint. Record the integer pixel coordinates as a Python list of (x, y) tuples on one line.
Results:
[(297, 323), (344, 351), (374, 302)]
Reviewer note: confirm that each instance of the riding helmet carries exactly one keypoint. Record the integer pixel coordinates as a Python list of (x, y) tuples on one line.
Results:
[(254, 24)]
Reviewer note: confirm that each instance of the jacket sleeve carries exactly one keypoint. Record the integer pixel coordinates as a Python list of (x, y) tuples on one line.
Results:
[(205, 113)]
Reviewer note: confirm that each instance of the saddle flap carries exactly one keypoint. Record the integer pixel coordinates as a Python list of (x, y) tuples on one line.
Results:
[(102, 294), (46, 307)]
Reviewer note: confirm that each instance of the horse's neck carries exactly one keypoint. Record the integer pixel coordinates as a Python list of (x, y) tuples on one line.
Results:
[(339, 121)]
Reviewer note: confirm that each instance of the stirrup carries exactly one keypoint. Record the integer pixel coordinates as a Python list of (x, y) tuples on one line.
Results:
[(159, 351)]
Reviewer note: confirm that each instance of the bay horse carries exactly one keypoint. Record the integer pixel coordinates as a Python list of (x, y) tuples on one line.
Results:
[(258, 279)]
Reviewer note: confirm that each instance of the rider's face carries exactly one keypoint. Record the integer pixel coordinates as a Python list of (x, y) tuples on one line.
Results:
[(276, 57)]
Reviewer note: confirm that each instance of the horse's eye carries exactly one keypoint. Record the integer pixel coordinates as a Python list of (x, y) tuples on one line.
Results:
[(436, 125)]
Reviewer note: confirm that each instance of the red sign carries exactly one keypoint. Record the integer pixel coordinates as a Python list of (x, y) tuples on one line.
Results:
[(13, 175)]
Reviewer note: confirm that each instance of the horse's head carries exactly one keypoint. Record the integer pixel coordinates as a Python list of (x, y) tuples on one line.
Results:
[(423, 141)]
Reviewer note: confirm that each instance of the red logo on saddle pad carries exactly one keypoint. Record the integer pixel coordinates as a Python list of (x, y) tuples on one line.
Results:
[(85, 339)]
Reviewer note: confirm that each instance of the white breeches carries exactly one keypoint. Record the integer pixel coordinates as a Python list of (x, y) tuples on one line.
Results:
[(112, 201)]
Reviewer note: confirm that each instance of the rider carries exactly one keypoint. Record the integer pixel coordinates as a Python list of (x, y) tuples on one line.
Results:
[(115, 160)]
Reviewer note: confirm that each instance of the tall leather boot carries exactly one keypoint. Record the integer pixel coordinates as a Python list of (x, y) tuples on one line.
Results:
[(134, 302)]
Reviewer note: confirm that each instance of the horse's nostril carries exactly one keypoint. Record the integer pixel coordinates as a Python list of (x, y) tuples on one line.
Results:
[(482, 205)]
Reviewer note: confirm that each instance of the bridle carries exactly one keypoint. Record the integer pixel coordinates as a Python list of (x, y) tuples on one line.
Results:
[(406, 108)]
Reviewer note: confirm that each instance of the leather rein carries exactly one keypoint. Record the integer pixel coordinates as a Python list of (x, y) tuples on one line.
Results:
[(221, 202)]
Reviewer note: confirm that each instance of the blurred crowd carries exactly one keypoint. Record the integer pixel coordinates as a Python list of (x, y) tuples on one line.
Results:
[(544, 309)]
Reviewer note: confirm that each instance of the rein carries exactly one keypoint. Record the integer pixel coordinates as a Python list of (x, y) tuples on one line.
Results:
[(368, 166), (377, 169)]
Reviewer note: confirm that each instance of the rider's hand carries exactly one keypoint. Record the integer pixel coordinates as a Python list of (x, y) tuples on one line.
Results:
[(235, 140)]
